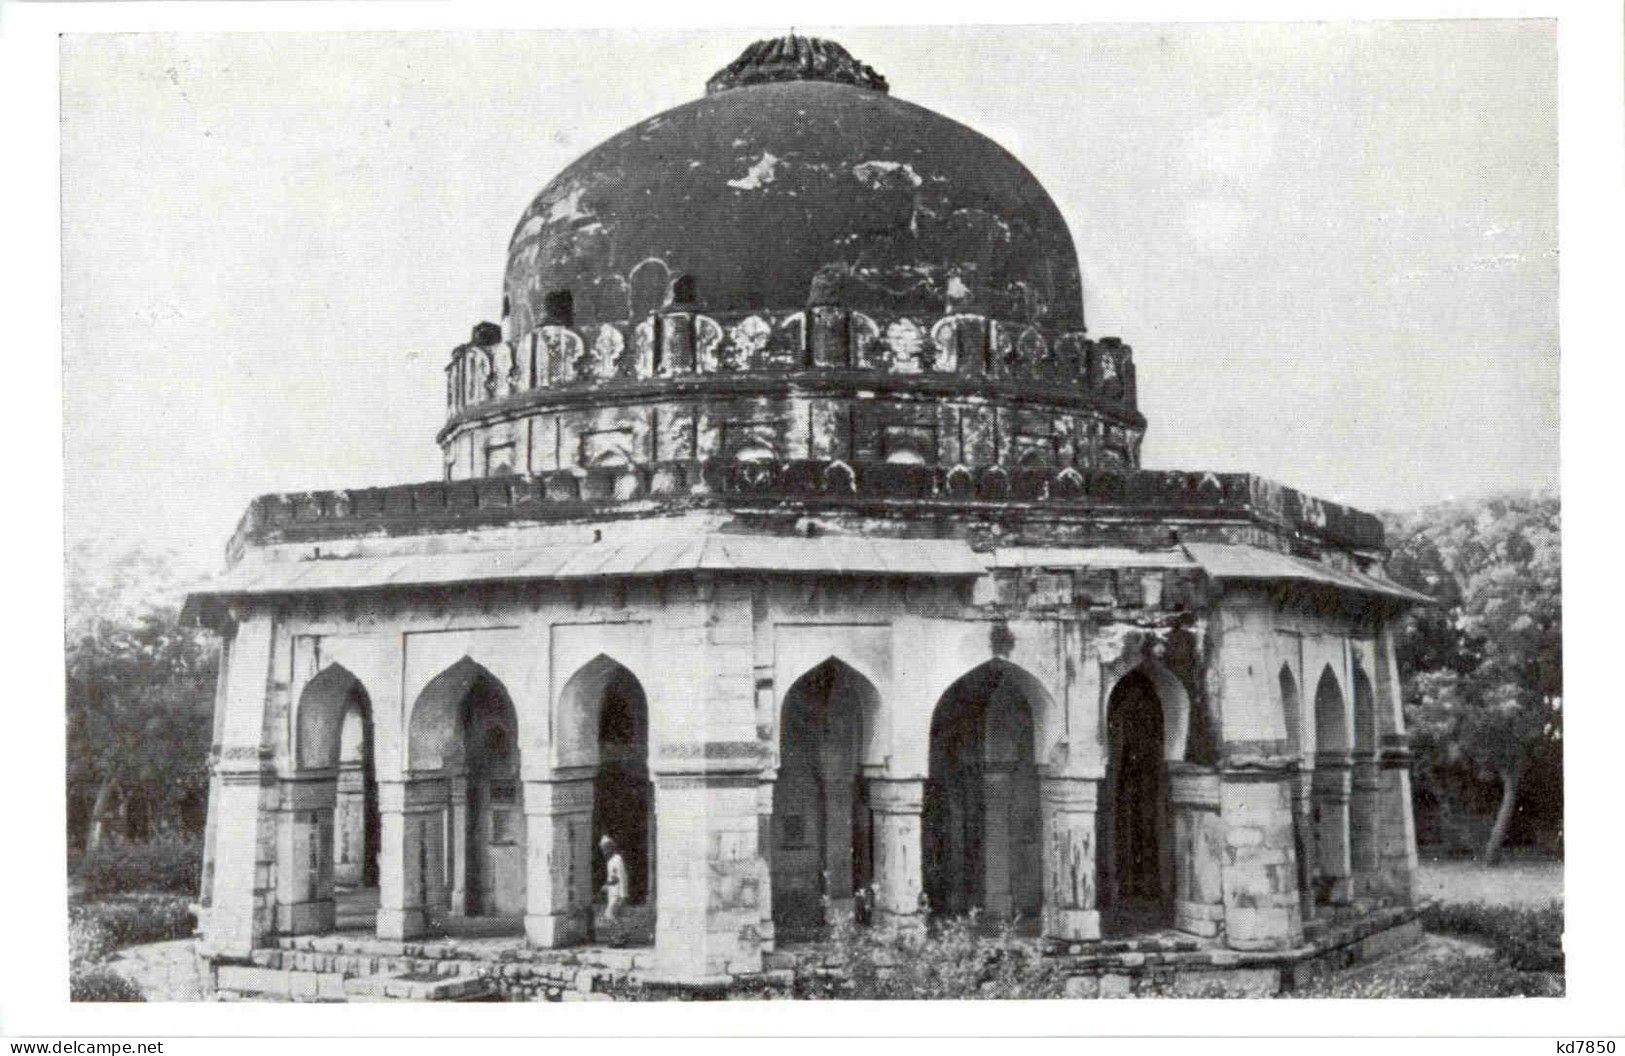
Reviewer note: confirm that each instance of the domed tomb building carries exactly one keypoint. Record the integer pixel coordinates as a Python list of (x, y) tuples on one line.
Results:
[(793, 533)]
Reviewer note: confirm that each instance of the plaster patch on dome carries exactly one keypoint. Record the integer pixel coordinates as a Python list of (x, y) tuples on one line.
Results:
[(879, 175), (758, 175), (569, 207)]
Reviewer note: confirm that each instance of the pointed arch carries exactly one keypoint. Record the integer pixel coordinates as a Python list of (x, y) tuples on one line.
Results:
[(980, 840), (1291, 709), (820, 850), (578, 708), (854, 677), (1174, 700), (319, 716), (1145, 717), (431, 728), (1365, 712), (1331, 716)]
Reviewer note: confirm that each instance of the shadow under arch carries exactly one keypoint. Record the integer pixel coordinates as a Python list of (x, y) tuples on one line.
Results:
[(1330, 878), (1365, 713), (981, 824), (821, 847), (1331, 717), (1302, 814)]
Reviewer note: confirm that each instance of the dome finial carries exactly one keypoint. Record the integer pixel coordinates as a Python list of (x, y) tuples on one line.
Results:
[(795, 58)]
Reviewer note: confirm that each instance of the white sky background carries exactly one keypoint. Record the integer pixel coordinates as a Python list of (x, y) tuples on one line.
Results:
[(1333, 247)]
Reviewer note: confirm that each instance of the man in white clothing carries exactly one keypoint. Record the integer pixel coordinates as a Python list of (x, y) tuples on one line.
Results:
[(614, 887)]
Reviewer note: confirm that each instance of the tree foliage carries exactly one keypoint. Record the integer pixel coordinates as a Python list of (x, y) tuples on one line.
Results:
[(139, 694), (1484, 670)]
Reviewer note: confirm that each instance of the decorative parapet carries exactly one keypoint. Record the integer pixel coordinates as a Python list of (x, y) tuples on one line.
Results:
[(680, 343), (998, 489)]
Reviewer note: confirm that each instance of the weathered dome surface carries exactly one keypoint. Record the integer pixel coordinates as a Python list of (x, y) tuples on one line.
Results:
[(768, 188)]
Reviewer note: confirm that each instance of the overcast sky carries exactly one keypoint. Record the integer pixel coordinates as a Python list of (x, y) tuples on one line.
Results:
[(1333, 247)]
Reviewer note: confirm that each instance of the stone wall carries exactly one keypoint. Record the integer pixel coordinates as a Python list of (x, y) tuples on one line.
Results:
[(715, 657)]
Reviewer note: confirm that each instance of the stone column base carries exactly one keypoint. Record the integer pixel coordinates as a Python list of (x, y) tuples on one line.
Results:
[(553, 930), (839, 911), (1199, 918), (906, 924), (1071, 923), (400, 924), (305, 918)]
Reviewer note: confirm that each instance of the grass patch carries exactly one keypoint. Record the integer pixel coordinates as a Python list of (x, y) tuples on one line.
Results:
[(1530, 940), (1526, 958)]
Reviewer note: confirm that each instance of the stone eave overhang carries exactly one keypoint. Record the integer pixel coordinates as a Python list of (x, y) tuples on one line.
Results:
[(801, 383), (1000, 493)]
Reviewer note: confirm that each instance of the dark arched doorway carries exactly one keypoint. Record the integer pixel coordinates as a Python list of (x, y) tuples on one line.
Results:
[(822, 850), (981, 813), (623, 798), (1134, 852), (1330, 796)]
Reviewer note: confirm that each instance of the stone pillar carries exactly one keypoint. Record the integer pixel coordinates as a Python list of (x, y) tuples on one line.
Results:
[(411, 874), (708, 906), (1396, 839), (897, 804), (457, 842), (764, 847), (350, 825), (1068, 806), (304, 854), (996, 889), (244, 799), (1396, 828), (837, 864), (1365, 789), (1303, 831), (1199, 849), (1330, 802), (1260, 874), (559, 850)]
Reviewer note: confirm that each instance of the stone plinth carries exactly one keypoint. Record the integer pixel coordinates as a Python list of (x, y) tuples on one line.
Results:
[(1199, 849), (559, 895), (411, 867), (708, 908), (1068, 832), (1260, 871), (897, 805)]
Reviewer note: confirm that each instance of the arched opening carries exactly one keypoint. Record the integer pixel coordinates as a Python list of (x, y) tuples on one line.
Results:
[(981, 812), (822, 850), (603, 728), (1365, 714), (463, 744), (623, 798), (1330, 796), (355, 815), (1134, 853)]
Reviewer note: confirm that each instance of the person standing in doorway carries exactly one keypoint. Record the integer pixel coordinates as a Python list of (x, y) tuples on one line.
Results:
[(614, 888)]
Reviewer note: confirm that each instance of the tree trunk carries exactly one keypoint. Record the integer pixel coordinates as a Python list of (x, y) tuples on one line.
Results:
[(1510, 780), (98, 813)]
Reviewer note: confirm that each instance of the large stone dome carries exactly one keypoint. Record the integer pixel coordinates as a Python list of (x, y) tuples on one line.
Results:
[(797, 179)]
